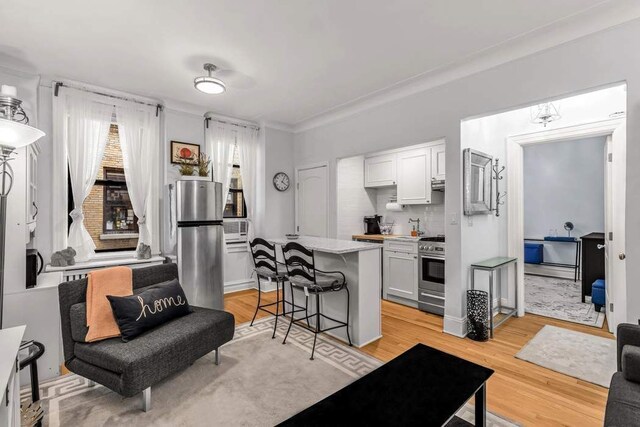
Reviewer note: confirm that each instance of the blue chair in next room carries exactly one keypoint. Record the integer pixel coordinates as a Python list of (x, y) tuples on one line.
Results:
[(598, 294)]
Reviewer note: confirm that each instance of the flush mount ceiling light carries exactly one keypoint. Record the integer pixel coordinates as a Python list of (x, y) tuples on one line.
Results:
[(544, 113), (208, 84)]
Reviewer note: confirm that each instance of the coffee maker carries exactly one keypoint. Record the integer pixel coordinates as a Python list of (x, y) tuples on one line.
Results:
[(372, 224)]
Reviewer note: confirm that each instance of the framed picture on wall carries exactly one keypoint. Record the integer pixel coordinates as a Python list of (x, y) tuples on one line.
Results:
[(184, 150)]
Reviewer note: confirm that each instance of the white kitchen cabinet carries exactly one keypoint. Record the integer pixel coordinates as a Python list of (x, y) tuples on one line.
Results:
[(380, 171), (32, 182), (401, 274), (437, 162), (414, 177)]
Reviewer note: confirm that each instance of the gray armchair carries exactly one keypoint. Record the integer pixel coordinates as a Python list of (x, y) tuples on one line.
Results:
[(623, 403), (133, 367)]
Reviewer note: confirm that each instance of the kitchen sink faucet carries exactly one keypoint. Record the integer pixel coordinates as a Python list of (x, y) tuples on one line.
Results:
[(417, 221)]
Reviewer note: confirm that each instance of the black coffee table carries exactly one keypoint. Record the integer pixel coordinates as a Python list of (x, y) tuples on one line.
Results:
[(422, 386)]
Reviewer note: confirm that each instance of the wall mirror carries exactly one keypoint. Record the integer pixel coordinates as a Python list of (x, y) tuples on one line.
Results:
[(477, 182)]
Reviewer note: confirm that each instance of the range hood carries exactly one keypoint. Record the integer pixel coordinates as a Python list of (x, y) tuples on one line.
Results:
[(437, 185)]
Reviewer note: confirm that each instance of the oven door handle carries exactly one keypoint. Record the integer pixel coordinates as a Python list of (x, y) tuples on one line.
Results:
[(433, 305), (433, 257), (424, 294)]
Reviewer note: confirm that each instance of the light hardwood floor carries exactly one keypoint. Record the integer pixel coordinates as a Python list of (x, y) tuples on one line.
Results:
[(520, 391)]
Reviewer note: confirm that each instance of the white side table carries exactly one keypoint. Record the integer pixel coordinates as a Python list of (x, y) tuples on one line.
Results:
[(10, 339)]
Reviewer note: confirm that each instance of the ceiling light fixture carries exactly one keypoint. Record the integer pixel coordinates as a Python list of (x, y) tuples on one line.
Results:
[(544, 114), (208, 84)]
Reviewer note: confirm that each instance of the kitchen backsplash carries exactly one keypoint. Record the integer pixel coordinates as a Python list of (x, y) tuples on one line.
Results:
[(431, 216)]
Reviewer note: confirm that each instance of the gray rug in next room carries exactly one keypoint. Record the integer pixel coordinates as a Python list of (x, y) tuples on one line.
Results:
[(559, 299), (259, 382), (572, 353)]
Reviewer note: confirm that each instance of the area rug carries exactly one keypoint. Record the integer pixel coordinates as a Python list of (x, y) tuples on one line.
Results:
[(259, 382), (572, 353), (559, 299)]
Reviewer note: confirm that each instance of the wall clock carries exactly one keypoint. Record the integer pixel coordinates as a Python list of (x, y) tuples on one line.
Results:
[(281, 181)]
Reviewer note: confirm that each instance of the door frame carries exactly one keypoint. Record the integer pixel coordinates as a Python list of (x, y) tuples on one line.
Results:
[(324, 164), (515, 178)]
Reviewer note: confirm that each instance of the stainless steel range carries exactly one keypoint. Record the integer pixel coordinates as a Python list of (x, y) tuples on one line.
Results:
[(431, 275)]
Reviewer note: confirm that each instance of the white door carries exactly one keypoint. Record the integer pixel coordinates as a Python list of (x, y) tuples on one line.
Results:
[(380, 171), (414, 177), (311, 201), (401, 274), (615, 204), (437, 162)]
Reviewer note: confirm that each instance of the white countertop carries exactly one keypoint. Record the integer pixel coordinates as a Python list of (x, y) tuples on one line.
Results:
[(332, 246)]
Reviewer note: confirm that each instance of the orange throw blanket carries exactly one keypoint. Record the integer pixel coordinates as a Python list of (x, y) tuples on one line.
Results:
[(115, 281)]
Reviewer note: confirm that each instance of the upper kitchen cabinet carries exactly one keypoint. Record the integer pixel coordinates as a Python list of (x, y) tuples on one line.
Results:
[(437, 162), (414, 177), (380, 170)]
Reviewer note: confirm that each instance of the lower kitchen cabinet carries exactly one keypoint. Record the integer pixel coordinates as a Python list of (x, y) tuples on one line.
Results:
[(401, 277)]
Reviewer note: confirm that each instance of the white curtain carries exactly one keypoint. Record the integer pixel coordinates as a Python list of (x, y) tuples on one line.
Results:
[(138, 129), (86, 133), (248, 152), (220, 141)]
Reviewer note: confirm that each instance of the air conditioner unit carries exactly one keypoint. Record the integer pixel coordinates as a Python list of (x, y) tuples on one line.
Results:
[(235, 230)]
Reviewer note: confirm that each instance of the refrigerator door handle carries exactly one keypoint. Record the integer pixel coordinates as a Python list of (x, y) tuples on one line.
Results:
[(172, 229)]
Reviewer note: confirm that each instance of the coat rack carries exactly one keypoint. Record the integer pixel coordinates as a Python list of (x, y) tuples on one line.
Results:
[(497, 176)]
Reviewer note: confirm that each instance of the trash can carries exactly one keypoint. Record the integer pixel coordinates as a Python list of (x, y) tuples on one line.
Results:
[(478, 315)]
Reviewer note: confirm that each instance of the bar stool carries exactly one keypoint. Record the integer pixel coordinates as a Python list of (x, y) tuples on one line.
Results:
[(266, 268), (303, 274)]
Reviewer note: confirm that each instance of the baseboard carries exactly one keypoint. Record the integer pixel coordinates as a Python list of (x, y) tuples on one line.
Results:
[(242, 285), (548, 270), (400, 300), (456, 326), (239, 285)]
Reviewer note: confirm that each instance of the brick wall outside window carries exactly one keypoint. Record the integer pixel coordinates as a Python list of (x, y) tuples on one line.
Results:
[(93, 205)]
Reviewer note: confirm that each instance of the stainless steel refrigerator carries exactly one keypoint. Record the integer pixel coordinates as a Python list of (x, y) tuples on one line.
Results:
[(200, 240)]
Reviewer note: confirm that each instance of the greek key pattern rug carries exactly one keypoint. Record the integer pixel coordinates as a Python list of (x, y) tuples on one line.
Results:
[(259, 382)]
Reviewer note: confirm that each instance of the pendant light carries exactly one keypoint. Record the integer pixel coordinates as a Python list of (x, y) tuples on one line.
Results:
[(208, 84), (544, 114)]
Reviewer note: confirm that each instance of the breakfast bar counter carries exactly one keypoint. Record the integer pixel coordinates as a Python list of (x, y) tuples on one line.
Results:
[(362, 266)]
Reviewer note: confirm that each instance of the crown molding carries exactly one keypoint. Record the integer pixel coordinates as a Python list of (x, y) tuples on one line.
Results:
[(272, 124), (184, 108), (597, 18)]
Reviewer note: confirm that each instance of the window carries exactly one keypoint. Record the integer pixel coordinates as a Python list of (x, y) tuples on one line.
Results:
[(235, 206), (117, 211), (108, 213)]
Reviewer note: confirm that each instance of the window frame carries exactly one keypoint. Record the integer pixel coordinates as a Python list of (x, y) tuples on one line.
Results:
[(71, 204)]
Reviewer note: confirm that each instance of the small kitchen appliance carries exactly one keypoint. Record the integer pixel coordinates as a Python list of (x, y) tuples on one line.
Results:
[(431, 283), (372, 224), (34, 267)]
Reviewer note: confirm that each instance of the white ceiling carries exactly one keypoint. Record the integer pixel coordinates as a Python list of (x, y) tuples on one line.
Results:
[(290, 60)]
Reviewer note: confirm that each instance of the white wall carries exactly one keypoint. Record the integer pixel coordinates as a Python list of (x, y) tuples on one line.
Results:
[(353, 200), (589, 62), (563, 181), (278, 214)]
